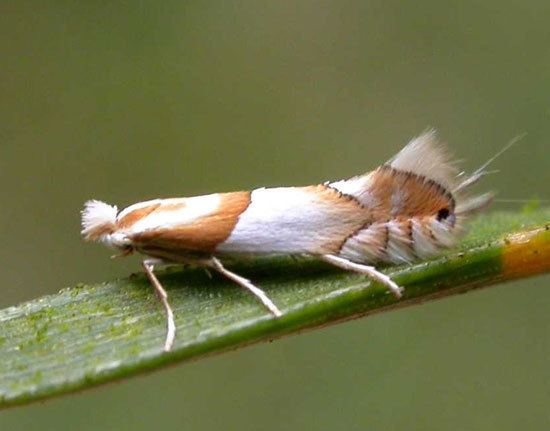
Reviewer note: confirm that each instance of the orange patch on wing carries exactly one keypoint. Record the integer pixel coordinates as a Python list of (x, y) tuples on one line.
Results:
[(332, 196), (352, 215), (401, 195), (136, 215), (173, 207), (203, 234)]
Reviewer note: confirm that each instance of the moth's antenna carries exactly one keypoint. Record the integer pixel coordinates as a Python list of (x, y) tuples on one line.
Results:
[(513, 141), (481, 172)]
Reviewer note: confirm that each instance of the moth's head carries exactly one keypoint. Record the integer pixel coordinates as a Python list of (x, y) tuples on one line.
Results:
[(99, 223)]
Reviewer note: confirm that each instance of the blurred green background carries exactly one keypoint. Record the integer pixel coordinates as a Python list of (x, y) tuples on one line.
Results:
[(125, 101)]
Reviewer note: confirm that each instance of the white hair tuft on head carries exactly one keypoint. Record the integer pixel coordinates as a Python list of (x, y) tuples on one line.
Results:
[(98, 220)]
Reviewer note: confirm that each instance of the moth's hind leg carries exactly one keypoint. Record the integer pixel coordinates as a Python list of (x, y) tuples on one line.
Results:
[(370, 271), (149, 266), (215, 264)]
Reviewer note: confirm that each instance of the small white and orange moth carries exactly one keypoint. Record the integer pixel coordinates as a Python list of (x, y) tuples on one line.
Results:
[(407, 209)]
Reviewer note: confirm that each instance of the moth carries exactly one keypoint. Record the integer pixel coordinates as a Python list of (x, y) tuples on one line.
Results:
[(405, 210)]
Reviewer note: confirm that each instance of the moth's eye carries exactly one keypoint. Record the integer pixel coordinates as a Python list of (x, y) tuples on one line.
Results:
[(442, 214)]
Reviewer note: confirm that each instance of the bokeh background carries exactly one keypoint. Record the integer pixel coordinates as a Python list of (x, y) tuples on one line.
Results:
[(126, 101)]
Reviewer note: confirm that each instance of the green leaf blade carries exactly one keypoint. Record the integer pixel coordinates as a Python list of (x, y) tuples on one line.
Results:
[(88, 335)]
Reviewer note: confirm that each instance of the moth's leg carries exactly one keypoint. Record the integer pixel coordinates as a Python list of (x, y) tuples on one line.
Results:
[(371, 271), (149, 266), (215, 264)]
